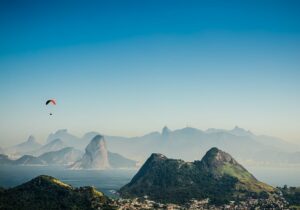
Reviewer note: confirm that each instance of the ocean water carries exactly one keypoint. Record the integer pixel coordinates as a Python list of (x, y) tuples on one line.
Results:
[(109, 181), (277, 176)]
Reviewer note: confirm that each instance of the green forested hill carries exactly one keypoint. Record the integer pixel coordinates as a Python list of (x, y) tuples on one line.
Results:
[(217, 176), (45, 192)]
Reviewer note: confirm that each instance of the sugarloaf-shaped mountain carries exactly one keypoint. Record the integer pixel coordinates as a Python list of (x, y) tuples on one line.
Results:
[(45, 192), (217, 177), (97, 156)]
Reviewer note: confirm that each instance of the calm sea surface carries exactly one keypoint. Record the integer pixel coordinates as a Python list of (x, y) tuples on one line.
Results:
[(106, 181)]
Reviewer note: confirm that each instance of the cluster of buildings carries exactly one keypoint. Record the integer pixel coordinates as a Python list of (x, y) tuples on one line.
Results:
[(273, 202)]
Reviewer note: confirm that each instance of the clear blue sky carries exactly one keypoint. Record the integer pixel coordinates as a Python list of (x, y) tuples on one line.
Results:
[(130, 67)]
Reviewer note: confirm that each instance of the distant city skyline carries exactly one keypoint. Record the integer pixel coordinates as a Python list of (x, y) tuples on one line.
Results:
[(127, 68)]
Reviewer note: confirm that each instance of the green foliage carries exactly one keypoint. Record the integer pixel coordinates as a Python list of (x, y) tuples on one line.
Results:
[(46, 192), (292, 195), (217, 177), (178, 182)]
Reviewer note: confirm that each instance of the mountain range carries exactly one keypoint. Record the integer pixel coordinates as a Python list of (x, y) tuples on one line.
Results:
[(56, 152), (24, 148), (217, 176), (186, 143), (216, 180), (190, 143), (65, 156)]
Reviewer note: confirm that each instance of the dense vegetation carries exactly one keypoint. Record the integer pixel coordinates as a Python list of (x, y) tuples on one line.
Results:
[(217, 177), (45, 192), (292, 195)]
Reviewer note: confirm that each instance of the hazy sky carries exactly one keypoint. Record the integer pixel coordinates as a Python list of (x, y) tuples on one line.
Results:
[(131, 67)]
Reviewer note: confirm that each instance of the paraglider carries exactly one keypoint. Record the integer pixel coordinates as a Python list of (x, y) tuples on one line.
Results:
[(50, 101)]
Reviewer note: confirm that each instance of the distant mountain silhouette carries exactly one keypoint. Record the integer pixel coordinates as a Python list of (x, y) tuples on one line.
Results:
[(24, 148), (5, 160), (98, 157), (54, 145), (186, 143), (65, 156), (95, 157), (29, 160)]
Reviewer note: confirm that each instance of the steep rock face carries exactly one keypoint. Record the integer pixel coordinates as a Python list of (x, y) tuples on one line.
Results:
[(96, 155), (217, 176)]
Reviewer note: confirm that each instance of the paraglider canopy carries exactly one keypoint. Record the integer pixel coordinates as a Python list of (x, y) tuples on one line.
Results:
[(51, 101)]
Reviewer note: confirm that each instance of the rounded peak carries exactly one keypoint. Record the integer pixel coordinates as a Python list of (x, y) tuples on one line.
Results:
[(45, 179), (216, 157), (191, 130), (157, 156), (97, 138), (98, 142)]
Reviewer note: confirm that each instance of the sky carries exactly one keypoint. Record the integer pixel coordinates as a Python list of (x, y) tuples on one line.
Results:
[(131, 67)]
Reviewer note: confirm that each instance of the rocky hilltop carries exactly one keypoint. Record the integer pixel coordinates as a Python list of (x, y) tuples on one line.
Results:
[(45, 192), (217, 176)]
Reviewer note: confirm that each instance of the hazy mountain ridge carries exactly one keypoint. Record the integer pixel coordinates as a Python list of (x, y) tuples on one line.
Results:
[(54, 145), (96, 156), (29, 160), (217, 176), (24, 148), (189, 143), (65, 156)]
